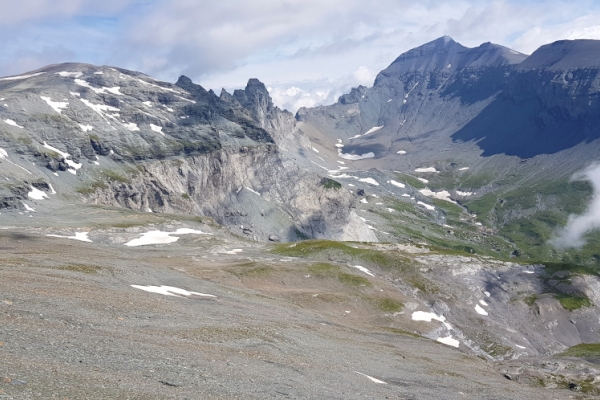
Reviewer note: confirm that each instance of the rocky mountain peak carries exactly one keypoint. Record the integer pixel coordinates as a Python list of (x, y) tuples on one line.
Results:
[(565, 54), (432, 56), (491, 54), (446, 55), (355, 95), (196, 90), (256, 98)]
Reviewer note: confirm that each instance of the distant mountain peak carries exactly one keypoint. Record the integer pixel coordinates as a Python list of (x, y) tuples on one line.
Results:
[(565, 54), (445, 54)]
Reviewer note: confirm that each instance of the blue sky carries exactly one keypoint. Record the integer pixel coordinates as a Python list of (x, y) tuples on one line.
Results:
[(308, 52)]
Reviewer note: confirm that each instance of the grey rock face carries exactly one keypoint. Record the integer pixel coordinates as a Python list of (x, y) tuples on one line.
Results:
[(489, 100), (213, 185), (118, 137), (563, 55)]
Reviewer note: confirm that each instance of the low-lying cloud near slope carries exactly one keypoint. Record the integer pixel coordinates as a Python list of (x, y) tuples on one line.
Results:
[(292, 96), (573, 234)]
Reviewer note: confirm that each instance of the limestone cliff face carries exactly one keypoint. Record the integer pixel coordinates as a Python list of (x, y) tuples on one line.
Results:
[(230, 184)]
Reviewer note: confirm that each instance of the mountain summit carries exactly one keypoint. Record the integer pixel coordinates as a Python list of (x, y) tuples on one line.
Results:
[(446, 54), (565, 54)]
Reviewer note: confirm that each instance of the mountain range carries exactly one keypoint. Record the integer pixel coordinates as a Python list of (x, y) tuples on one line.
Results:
[(428, 208)]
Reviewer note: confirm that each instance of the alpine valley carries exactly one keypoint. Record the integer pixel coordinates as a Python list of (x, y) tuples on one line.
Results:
[(163, 241)]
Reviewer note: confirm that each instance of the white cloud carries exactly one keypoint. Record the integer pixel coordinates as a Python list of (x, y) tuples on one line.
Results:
[(24, 60), (293, 95), (314, 46), (573, 234), (586, 27), (15, 13)]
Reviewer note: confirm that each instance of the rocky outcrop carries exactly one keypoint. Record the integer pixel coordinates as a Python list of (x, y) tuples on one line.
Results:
[(233, 183)]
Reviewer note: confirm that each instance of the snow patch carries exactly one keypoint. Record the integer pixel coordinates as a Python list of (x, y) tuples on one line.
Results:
[(483, 303), (373, 129), (429, 169), (132, 126), (72, 164), (99, 108), (463, 168), (170, 291), (370, 181), (364, 201), (465, 194), (253, 191), (57, 106), (398, 184), (233, 251), (67, 74), (448, 341), (480, 310), (15, 78), (113, 90), (375, 380), (362, 269), (355, 157), (86, 128), (36, 194), (428, 317), (160, 237), (427, 206), (163, 88), (442, 195), (81, 236), (423, 180), (28, 208), (156, 128), (401, 152), (342, 175), (12, 123)]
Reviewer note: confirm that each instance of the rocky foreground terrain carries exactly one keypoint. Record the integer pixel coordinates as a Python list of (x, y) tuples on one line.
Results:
[(162, 241), (247, 320)]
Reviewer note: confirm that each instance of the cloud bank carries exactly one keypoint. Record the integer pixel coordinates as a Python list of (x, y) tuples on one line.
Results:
[(573, 234), (307, 51)]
